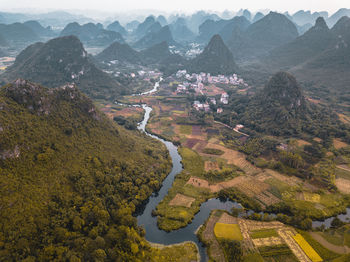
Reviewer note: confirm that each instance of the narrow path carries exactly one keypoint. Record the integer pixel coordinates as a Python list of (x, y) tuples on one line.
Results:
[(330, 246), (208, 234), (230, 127), (286, 235), (344, 168)]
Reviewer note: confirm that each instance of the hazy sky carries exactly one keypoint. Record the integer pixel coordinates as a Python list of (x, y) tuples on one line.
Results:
[(174, 5)]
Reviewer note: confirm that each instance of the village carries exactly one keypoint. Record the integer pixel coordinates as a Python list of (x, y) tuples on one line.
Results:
[(199, 83)]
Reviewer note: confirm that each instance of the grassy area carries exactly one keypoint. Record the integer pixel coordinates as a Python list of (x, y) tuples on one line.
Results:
[(339, 236), (305, 246), (341, 173), (228, 231), (343, 258), (213, 151), (186, 129), (263, 233), (256, 257), (328, 205), (176, 253), (323, 252), (311, 197)]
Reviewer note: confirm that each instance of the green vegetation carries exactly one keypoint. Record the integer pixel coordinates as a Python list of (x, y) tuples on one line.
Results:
[(70, 178), (232, 250), (186, 129), (263, 233), (176, 253), (236, 195), (221, 175), (228, 231), (324, 253), (213, 151), (256, 257), (174, 217), (271, 251), (338, 236)]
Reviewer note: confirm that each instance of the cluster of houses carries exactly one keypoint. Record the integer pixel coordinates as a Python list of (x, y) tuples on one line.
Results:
[(206, 106), (207, 78)]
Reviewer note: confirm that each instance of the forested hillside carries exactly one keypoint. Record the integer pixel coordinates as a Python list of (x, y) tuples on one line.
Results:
[(70, 179)]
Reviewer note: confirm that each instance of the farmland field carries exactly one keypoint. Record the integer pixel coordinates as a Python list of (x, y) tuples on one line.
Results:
[(263, 233), (186, 129), (228, 231), (305, 246)]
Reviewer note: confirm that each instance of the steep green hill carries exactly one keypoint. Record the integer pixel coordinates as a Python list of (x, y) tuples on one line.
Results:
[(70, 178), (281, 109), (215, 59), (59, 61), (120, 52)]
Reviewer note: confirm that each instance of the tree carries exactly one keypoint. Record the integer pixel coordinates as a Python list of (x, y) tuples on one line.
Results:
[(336, 222), (233, 250)]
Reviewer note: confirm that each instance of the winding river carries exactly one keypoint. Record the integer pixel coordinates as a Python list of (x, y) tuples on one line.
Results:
[(146, 220)]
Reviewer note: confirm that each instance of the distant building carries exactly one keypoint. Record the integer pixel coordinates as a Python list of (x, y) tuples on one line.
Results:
[(224, 98), (219, 110)]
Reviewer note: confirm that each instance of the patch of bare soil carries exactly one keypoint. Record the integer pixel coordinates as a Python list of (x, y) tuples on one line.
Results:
[(181, 200), (343, 185)]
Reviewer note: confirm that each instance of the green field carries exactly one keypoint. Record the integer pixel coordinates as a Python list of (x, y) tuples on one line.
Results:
[(213, 151), (228, 231), (186, 129), (271, 251), (177, 253), (263, 233)]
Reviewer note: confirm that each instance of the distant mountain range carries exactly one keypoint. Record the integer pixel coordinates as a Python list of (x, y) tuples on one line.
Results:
[(309, 45), (92, 34), (157, 54), (60, 61), (224, 28), (181, 32), (156, 37), (271, 31), (18, 34), (116, 27)]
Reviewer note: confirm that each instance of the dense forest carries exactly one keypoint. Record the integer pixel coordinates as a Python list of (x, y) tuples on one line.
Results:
[(281, 109), (70, 179)]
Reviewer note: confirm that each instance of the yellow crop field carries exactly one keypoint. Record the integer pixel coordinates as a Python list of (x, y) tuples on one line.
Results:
[(305, 246), (228, 231), (312, 197)]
